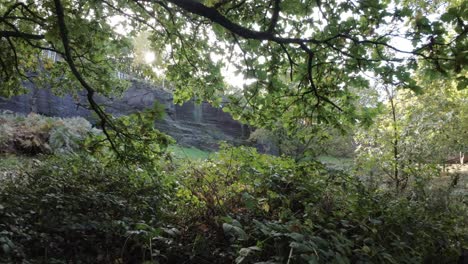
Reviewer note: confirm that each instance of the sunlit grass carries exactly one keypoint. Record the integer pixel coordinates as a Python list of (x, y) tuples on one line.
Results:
[(189, 153)]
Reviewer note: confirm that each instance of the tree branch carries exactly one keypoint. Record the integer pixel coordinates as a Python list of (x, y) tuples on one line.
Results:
[(275, 16), (18, 34), (69, 59), (214, 15)]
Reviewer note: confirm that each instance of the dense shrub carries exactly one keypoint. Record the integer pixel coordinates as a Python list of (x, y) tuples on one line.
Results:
[(237, 207), (272, 210), (77, 209), (34, 134)]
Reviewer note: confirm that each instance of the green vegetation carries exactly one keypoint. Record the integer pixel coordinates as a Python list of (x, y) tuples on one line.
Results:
[(323, 80), (36, 134), (240, 206), (12, 162), (12, 166), (191, 153), (76, 208), (339, 163), (414, 134)]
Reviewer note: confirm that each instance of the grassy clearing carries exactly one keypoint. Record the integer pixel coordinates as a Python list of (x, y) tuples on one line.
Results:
[(189, 153)]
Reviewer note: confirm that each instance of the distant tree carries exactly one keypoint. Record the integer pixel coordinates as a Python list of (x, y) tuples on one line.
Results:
[(415, 132), (277, 141)]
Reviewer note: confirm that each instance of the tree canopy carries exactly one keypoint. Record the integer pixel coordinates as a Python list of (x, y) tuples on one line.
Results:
[(304, 58)]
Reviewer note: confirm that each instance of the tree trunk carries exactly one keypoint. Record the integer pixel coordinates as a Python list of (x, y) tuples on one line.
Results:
[(396, 173)]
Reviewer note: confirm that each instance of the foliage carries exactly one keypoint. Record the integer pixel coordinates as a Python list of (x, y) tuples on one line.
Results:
[(426, 130), (134, 135), (304, 142), (277, 141), (66, 137), (33, 134), (306, 139), (304, 59), (237, 206), (76, 208), (133, 139), (274, 210), (13, 166), (86, 205)]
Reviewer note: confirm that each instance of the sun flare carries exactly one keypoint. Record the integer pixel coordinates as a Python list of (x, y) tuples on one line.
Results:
[(149, 57)]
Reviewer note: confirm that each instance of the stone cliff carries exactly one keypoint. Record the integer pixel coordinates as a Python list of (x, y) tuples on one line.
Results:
[(201, 126)]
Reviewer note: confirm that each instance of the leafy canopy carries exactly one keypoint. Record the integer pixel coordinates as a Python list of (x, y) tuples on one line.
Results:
[(303, 57)]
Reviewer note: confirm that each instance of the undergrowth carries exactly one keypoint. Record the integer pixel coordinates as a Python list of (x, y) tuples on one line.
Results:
[(75, 209), (238, 206), (35, 134), (273, 210)]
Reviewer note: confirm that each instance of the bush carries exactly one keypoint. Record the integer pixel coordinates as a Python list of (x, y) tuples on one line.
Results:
[(273, 210), (237, 206), (34, 134), (68, 134), (77, 209)]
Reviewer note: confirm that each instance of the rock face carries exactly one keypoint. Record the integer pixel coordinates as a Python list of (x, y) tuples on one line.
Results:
[(201, 126)]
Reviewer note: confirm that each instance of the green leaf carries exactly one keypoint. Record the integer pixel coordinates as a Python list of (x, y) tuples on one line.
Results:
[(235, 231)]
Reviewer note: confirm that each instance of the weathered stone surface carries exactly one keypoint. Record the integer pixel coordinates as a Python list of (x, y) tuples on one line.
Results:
[(201, 126), (45, 102)]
